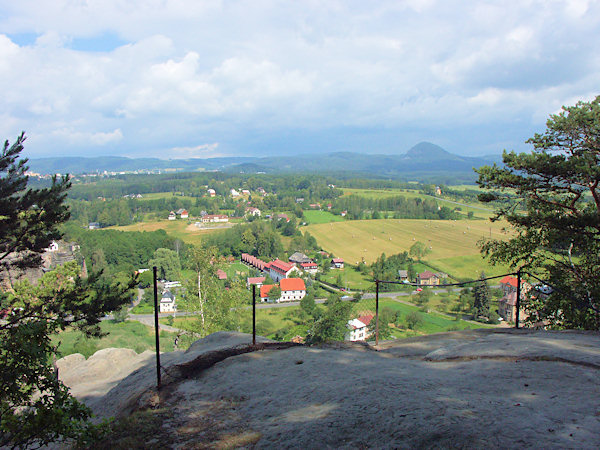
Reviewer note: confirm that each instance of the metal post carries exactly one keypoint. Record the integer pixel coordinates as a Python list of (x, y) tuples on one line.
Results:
[(376, 312), (518, 306), (156, 331), (253, 314)]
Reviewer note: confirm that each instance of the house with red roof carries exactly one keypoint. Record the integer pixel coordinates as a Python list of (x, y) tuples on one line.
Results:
[(292, 289), (508, 284), (279, 269), (258, 281), (358, 329), (428, 278), (337, 263), (264, 293), (507, 308), (253, 261), (309, 267), (221, 275)]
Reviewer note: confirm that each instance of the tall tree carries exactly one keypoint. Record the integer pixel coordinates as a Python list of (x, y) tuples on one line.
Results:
[(551, 197), (35, 406), (481, 299), (216, 308), (167, 264)]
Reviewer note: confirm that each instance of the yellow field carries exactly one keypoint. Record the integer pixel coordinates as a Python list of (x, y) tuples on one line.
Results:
[(453, 243), (179, 229)]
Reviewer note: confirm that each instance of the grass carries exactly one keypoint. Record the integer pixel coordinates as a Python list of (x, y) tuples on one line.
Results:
[(367, 239), (285, 323), (350, 277), (128, 334), (180, 229), (314, 216), (431, 322), (158, 195)]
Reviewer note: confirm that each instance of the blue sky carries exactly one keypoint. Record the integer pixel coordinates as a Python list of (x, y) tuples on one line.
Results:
[(180, 79)]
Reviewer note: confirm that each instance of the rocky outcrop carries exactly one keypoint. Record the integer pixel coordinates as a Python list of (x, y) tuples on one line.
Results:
[(478, 388)]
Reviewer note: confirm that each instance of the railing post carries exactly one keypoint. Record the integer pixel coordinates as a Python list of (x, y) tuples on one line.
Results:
[(156, 331), (376, 312), (253, 314), (518, 305)]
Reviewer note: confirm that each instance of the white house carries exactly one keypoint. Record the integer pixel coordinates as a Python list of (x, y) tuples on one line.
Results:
[(167, 302), (234, 193), (252, 211), (358, 329), (292, 289), (310, 267), (53, 246), (172, 215), (211, 192), (337, 263), (182, 213)]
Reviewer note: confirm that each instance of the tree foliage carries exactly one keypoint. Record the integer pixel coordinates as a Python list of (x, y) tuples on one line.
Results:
[(215, 308), (481, 299), (557, 216), (35, 406)]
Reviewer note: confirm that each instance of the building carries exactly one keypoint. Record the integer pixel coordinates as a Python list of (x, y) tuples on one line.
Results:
[(167, 302), (282, 216), (94, 225), (358, 329), (252, 211), (245, 192), (337, 263), (234, 193), (507, 308), (264, 293), (403, 276), (214, 218), (292, 289), (182, 213), (211, 192), (309, 267), (508, 284), (172, 216), (221, 275), (298, 258), (279, 269), (253, 261), (428, 278), (258, 281), (53, 247)]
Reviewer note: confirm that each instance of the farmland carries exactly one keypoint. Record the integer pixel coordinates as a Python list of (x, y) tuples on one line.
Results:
[(180, 229), (315, 216), (453, 244)]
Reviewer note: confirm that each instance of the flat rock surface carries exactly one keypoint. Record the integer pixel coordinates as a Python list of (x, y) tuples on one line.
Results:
[(492, 388)]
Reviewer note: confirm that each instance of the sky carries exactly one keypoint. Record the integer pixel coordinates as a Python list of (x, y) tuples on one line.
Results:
[(200, 79)]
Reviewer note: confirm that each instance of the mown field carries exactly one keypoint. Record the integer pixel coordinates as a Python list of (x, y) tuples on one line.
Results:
[(453, 244), (180, 229), (158, 195), (312, 216)]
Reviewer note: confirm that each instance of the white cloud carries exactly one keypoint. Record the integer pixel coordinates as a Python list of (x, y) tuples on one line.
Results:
[(210, 71)]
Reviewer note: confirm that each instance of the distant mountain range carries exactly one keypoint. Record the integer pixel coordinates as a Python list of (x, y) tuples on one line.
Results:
[(424, 158)]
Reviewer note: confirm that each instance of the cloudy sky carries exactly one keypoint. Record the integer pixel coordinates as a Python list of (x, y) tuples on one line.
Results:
[(178, 78)]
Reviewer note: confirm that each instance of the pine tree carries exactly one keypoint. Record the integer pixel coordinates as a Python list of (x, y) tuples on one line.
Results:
[(29, 220), (551, 197), (481, 303)]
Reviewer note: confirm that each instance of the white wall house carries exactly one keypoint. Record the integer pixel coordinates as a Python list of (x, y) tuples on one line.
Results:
[(292, 289), (167, 302)]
